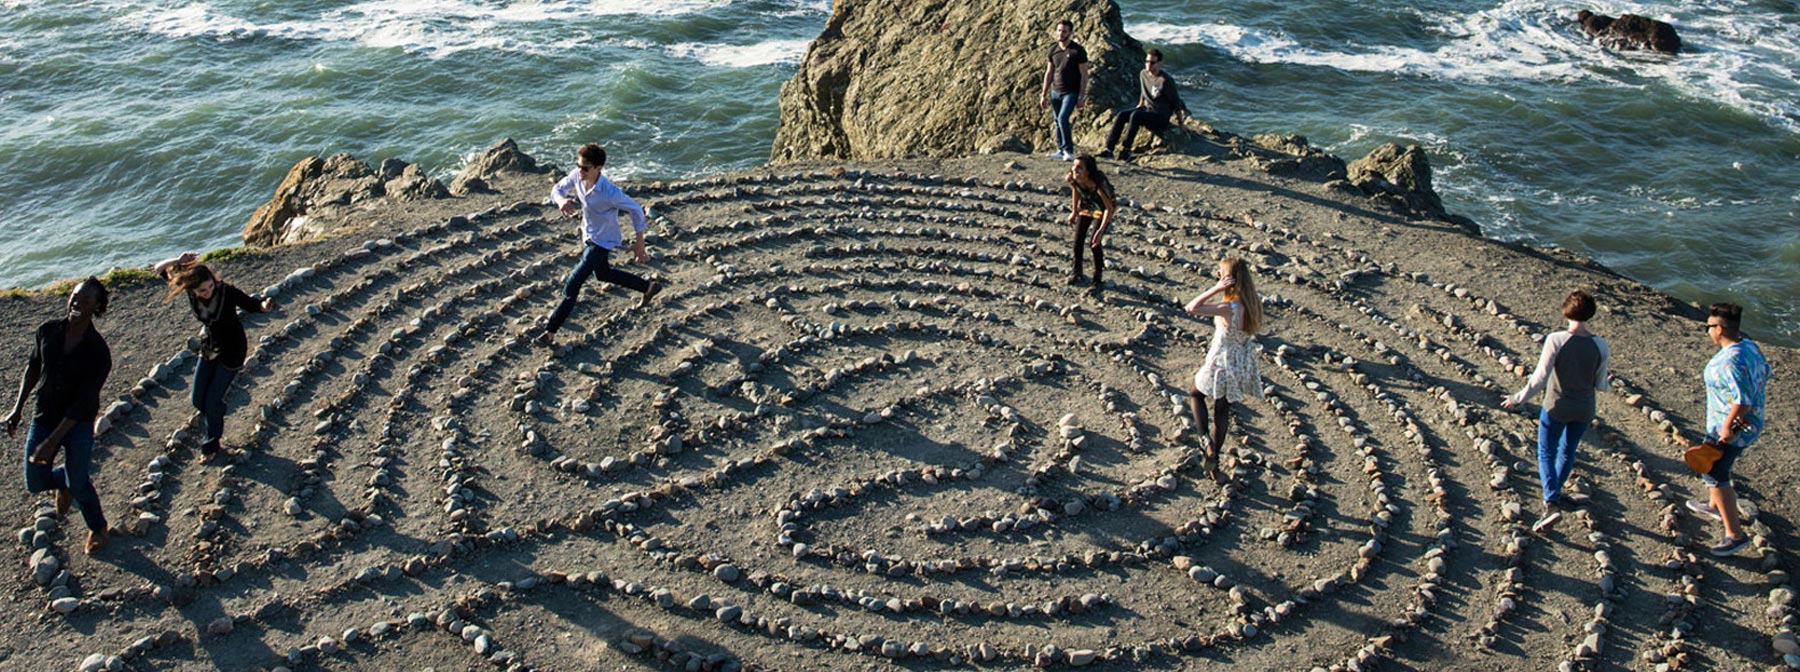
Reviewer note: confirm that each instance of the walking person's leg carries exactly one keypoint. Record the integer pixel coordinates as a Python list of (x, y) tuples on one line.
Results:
[(76, 475), (203, 371), (572, 288), (1723, 493), (1565, 457), (41, 477), (216, 389), (1550, 433)]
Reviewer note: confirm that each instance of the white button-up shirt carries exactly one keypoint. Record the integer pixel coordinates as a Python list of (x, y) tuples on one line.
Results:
[(600, 208)]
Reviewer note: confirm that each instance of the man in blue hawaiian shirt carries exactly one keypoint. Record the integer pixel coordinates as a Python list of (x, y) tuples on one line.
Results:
[(1735, 380)]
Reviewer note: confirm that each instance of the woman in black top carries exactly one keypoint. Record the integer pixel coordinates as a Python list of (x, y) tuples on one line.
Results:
[(1092, 208), (71, 360), (223, 343)]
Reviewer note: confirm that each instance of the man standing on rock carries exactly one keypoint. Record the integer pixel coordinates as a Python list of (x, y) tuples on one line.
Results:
[(1735, 380), (1158, 103), (587, 192), (1065, 86)]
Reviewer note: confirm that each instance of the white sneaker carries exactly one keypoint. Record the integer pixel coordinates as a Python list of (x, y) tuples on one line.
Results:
[(1704, 510), (1058, 155)]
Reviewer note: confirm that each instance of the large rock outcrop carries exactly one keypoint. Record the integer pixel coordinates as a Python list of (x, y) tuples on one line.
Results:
[(900, 78), (316, 185), (503, 158), (1398, 176), (1630, 32)]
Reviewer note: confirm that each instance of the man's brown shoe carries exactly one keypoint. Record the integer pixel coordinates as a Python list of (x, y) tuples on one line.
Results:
[(650, 293)]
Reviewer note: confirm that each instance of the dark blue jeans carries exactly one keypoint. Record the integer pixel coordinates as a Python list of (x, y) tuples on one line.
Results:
[(1128, 120), (76, 474), (212, 381), (1556, 452), (1063, 105), (594, 262)]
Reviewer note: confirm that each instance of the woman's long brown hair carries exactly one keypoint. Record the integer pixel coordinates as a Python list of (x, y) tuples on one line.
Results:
[(184, 278), (1243, 291)]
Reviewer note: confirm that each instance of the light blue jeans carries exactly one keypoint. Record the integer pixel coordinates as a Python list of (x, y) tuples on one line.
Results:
[(1063, 104)]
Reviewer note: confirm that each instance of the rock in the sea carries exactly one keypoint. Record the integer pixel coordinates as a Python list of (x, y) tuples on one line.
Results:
[(857, 94), (502, 158), (1630, 32), (1399, 176)]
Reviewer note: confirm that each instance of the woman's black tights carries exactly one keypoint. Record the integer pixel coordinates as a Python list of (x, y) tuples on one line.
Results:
[(1215, 430)]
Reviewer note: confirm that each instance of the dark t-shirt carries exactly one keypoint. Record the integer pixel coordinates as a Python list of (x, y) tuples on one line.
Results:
[(225, 340), (1065, 67), (70, 382), (1160, 91)]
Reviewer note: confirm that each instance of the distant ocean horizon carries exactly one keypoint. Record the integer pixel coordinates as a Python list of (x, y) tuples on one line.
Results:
[(135, 130)]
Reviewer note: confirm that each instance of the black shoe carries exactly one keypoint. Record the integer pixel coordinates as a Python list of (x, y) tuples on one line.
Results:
[(548, 338), (1105, 154), (1125, 156), (1077, 281), (650, 293)]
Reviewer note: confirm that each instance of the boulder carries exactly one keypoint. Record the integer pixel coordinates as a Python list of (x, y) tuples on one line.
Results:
[(502, 158), (314, 186), (894, 78), (1400, 177), (1629, 32), (414, 184), (1291, 155)]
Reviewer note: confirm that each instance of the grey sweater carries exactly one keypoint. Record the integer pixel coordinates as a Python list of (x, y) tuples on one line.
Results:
[(1570, 369)]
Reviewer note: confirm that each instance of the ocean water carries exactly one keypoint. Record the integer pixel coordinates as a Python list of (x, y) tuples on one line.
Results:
[(136, 129)]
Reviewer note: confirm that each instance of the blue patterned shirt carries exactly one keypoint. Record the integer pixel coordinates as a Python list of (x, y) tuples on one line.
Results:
[(1736, 375)]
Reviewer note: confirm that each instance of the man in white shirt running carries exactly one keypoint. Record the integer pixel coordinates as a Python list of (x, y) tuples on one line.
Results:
[(587, 192)]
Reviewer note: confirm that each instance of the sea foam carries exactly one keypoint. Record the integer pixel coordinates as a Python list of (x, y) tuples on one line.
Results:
[(435, 28), (742, 56), (1739, 54)]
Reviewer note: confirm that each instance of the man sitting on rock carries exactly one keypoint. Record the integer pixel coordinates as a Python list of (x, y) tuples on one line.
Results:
[(1158, 103), (1065, 86)]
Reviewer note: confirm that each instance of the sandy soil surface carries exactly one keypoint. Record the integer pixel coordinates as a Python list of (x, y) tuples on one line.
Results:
[(869, 426)]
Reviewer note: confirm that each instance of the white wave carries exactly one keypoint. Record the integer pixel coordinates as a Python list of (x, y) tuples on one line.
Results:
[(1731, 53), (742, 56), (435, 28)]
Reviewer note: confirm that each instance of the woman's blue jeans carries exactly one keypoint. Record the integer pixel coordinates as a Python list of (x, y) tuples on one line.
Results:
[(75, 474), (212, 381), (1556, 452)]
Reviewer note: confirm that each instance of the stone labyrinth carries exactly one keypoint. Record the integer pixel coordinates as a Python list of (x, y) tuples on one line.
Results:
[(868, 421)]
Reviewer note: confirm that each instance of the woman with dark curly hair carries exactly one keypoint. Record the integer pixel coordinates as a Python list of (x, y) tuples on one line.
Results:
[(69, 364)]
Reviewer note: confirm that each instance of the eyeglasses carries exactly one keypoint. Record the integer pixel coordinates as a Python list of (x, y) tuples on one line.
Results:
[(585, 167), (1709, 326)]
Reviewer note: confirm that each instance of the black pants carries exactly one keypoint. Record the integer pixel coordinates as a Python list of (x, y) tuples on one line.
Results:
[(1082, 224), (594, 262), (1129, 120)]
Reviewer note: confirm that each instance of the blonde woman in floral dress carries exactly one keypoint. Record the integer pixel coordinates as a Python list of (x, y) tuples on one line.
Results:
[(1230, 374)]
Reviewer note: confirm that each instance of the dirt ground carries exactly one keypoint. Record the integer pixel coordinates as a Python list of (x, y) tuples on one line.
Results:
[(870, 426)]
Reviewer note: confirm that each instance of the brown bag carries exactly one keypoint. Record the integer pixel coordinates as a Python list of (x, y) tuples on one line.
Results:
[(1700, 458)]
